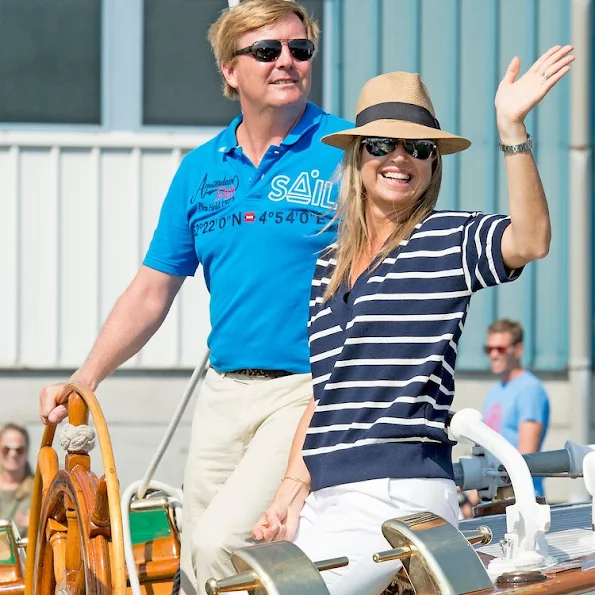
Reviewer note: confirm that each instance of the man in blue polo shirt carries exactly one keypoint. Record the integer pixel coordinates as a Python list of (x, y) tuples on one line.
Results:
[(256, 231), (517, 406), (251, 206)]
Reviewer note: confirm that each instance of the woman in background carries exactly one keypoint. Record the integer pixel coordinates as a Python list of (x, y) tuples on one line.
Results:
[(16, 476)]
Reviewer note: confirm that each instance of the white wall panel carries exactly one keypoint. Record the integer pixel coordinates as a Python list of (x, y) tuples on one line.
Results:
[(77, 213), (38, 244), (119, 241), (157, 171), (9, 303), (78, 287), (194, 303)]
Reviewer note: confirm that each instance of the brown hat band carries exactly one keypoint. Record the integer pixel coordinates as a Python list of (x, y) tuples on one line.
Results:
[(396, 110)]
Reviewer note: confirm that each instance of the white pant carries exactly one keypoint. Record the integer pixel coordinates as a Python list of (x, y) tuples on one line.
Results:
[(241, 436), (346, 520)]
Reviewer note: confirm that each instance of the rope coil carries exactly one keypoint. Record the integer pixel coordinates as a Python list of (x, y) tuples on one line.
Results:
[(77, 438)]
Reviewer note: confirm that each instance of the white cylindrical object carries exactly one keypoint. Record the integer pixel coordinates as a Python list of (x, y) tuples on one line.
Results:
[(576, 455), (589, 477), (468, 423), (526, 521)]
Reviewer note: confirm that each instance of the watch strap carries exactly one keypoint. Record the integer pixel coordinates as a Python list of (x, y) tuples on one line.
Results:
[(526, 146)]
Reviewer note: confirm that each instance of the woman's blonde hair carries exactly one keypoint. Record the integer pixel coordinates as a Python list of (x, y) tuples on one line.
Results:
[(353, 237), (249, 16)]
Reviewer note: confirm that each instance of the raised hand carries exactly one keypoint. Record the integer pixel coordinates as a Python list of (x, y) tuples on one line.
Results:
[(515, 98)]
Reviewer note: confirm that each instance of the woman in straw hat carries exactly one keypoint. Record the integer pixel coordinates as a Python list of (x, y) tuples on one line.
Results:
[(388, 305)]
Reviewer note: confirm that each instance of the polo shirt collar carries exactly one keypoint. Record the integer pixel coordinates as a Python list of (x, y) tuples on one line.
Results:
[(311, 116), (228, 141)]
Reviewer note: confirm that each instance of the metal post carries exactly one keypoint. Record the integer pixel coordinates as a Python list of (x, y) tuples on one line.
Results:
[(580, 245)]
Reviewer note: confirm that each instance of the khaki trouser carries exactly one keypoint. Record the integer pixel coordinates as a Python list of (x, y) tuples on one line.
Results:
[(241, 436)]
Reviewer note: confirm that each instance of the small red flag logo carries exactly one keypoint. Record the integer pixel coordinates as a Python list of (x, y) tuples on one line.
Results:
[(249, 217)]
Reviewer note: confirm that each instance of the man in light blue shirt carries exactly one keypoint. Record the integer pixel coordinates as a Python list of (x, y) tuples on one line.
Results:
[(517, 406)]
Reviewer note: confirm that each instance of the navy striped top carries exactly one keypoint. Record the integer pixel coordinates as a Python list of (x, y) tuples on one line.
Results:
[(383, 354)]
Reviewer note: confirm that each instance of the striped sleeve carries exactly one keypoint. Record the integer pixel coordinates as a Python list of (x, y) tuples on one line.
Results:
[(320, 282), (482, 253)]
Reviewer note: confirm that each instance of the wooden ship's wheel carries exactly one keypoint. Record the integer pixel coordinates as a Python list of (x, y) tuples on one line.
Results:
[(75, 535)]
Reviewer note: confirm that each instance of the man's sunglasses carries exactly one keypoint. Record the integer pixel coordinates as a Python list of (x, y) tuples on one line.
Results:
[(500, 349), (269, 50), (419, 149), (20, 450)]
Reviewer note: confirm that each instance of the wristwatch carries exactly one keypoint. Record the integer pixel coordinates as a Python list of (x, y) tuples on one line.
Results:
[(526, 146)]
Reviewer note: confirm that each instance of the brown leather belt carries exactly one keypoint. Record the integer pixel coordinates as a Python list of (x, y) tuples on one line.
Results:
[(257, 372)]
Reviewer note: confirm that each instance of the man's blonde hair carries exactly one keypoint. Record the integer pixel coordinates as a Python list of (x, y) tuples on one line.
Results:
[(249, 16)]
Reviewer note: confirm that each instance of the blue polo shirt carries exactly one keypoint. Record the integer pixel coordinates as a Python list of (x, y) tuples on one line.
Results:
[(508, 405), (257, 233)]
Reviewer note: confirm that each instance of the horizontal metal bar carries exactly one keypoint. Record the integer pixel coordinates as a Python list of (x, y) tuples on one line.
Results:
[(106, 140)]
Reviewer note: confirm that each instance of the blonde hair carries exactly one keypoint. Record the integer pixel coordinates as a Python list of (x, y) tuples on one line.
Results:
[(249, 16), (353, 237)]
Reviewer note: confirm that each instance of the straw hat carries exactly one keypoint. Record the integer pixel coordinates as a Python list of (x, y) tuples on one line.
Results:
[(397, 105)]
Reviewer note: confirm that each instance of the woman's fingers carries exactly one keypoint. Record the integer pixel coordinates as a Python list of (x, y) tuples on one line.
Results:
[(513, 70), (260, 527), (553, 62), (553, 79), (555, 72), (268, 528), (257, 532), (540, 61)]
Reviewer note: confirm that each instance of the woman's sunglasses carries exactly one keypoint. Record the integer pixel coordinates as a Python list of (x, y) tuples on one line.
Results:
[(19, 450), (269, 50), (419, 149)]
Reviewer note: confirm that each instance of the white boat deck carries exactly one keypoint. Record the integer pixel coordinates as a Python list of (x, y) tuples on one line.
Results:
[(569, 538)]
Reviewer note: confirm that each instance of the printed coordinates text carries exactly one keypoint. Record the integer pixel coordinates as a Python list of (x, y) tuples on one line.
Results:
[(249, 217)]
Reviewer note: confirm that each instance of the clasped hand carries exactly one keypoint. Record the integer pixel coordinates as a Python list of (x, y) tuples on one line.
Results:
[(278, 521)]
